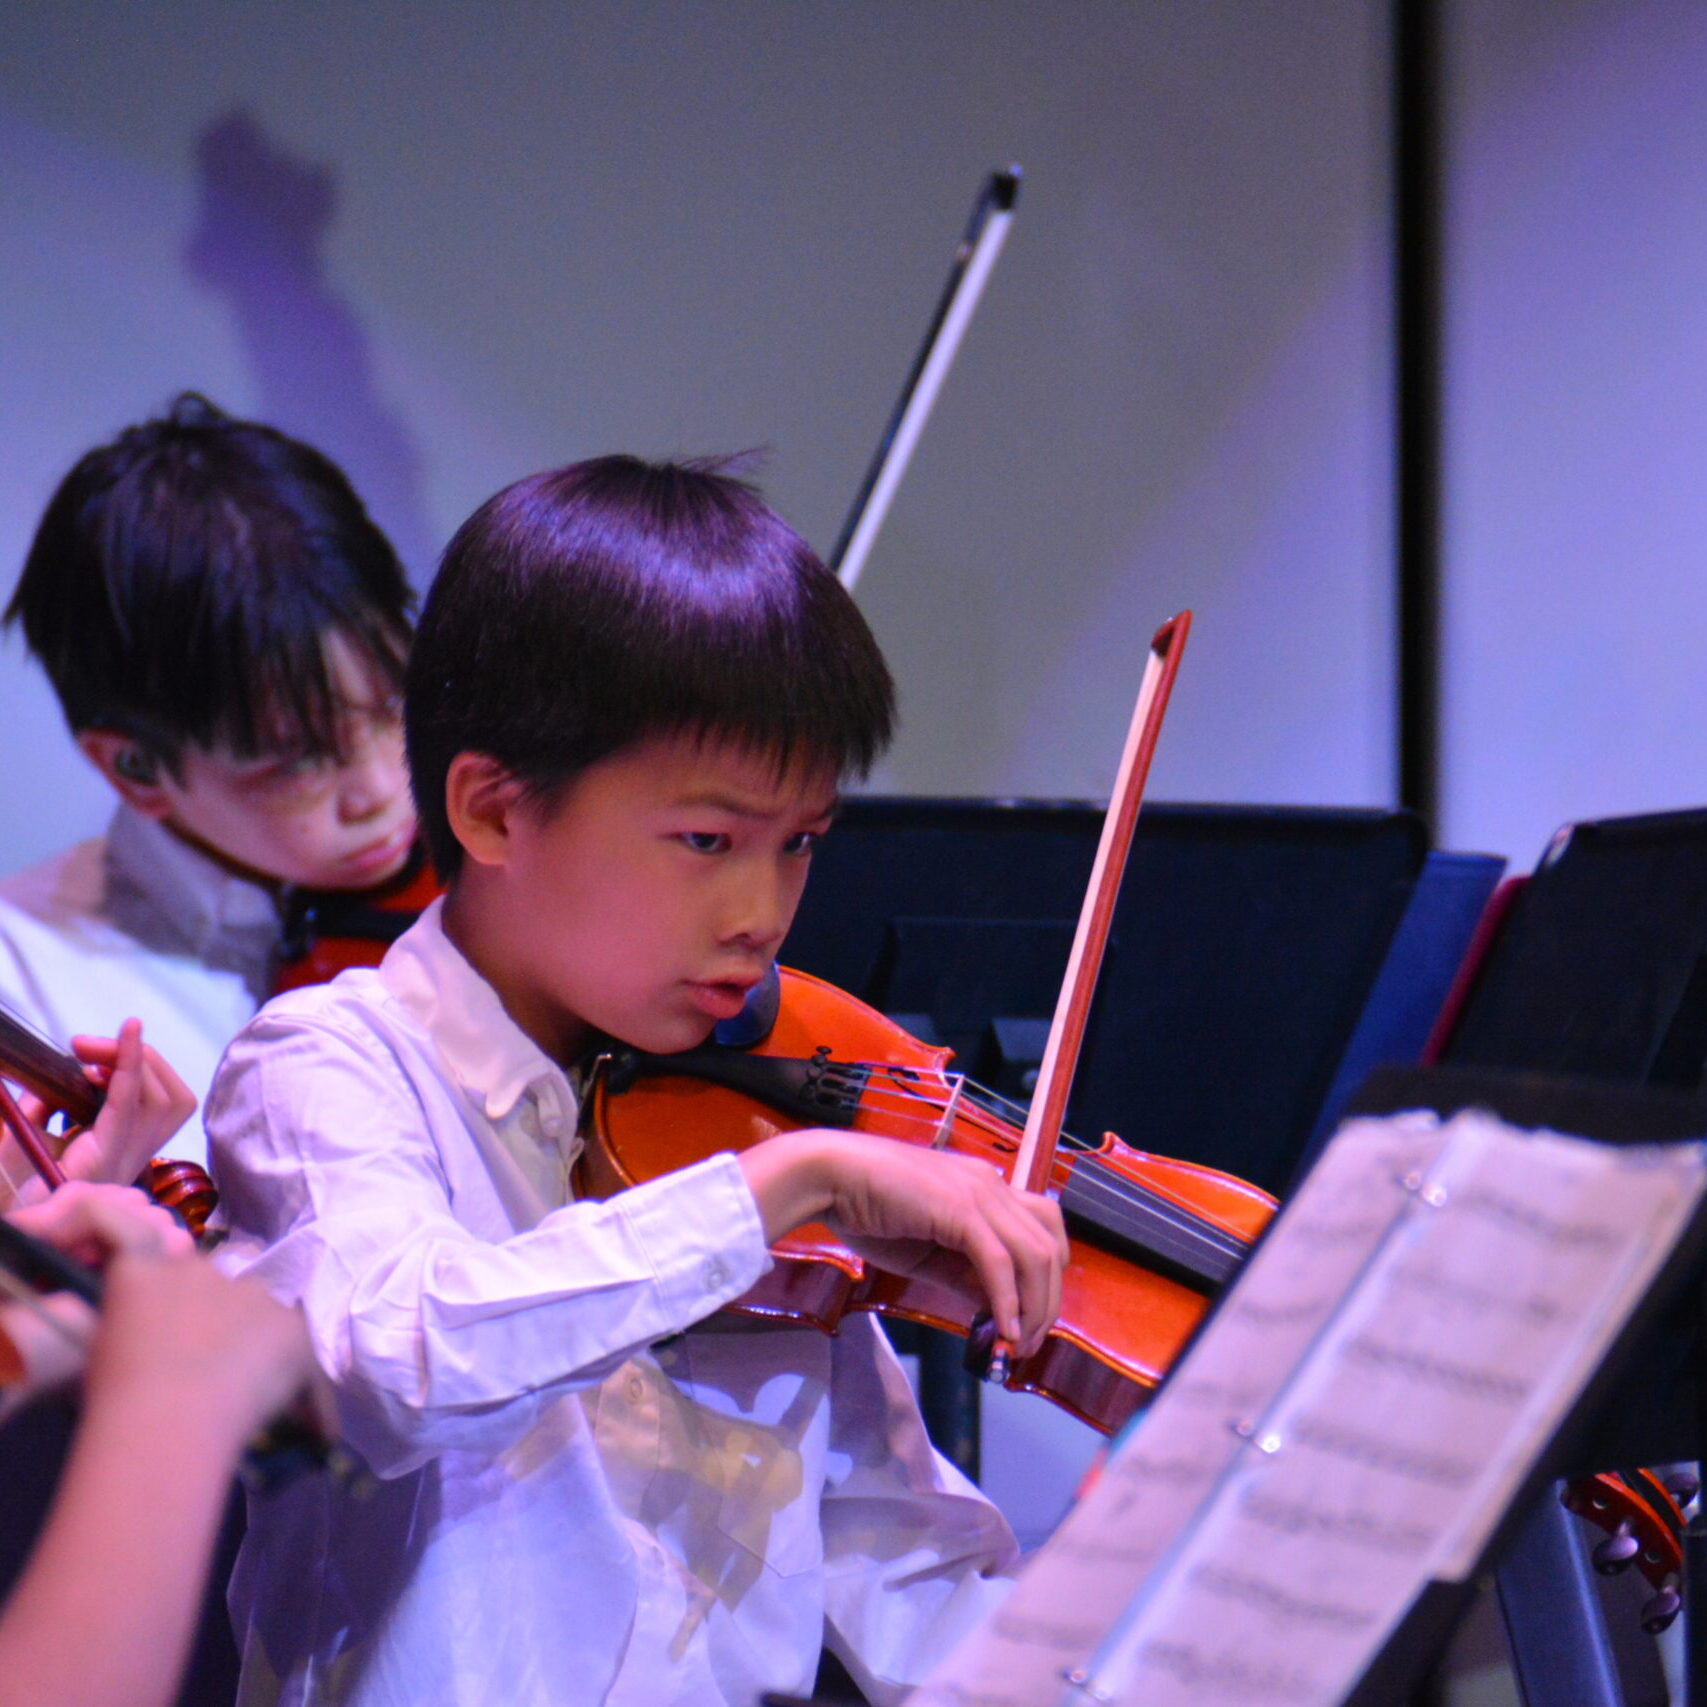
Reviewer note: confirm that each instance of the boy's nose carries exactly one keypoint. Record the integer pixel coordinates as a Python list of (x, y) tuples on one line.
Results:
[(760, 915), (373, 778)]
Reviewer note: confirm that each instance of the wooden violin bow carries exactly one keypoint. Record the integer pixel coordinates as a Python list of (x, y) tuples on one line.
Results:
[(986, 232), (1048, 1111)]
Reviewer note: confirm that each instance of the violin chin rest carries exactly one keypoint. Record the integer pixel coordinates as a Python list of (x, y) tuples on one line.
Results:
[(753, 1024)]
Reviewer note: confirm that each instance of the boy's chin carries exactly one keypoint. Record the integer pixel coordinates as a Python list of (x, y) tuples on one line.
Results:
[(664, 1036), (676, 1040)]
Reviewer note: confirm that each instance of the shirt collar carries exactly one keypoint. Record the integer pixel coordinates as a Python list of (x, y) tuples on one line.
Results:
[(168, 893), (493, 1060)]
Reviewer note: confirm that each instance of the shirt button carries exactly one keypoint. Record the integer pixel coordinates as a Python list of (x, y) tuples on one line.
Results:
[(636, 1389), (716, 1276)]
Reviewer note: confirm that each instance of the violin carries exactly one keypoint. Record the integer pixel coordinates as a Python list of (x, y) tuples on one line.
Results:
[(1151, 1239), (59, 1080), (327, 931), (293, 1441), (1643, 1515)]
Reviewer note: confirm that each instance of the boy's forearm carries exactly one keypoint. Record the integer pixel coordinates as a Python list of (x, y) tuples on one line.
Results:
[(788, 1180), (104, 1612)]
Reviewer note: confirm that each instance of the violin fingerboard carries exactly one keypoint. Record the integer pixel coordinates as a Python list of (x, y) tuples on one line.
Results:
[(57, 1078)]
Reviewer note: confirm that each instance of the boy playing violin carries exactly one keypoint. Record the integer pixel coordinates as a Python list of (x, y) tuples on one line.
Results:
[(633, 695), (225, 629)]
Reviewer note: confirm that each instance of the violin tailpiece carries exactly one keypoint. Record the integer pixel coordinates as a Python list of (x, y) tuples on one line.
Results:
[(815, 1089)]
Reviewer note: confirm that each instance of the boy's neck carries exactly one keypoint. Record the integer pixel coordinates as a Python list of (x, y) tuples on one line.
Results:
[(231, 867), (477, 927)]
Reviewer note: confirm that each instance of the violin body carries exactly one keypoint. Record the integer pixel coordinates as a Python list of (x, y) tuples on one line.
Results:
[(1121, 1323), (328, 931)]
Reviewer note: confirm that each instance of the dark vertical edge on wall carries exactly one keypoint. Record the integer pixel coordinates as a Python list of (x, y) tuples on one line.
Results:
[(1417, 246)]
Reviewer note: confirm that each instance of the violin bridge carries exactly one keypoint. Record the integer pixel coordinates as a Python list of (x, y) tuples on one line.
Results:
[(945, 1126)]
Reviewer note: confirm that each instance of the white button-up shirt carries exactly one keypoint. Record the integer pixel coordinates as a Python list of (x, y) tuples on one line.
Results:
[(579, 1500), (138, 923)]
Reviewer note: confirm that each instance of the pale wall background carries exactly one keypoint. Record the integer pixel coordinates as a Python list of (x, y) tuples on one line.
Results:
[(1576, 521), (452, 244)]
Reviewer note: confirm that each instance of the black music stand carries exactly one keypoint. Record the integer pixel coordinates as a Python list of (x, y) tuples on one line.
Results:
[(1641, 1408), (1245, 943), (1600, 971)]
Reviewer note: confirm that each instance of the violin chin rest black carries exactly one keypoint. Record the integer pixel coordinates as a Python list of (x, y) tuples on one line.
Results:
[(753, 1023)]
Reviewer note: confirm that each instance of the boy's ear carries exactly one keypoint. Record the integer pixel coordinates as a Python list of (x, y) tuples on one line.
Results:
[(132, 772), (481, 800)]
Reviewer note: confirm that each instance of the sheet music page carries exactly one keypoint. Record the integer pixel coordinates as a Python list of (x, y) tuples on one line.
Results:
[(1355, 1422)]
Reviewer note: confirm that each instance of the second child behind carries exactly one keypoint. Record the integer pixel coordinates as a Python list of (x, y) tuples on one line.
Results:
[(225, 628), (633, 696)]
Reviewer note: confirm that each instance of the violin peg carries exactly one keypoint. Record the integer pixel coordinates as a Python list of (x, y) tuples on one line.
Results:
[(1682, 1486), (1658, 1612), (1617, 1552)]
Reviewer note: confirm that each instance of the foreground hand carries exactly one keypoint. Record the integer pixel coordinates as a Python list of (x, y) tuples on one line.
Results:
[(146, 1104), (171, 1326), (177, 1332), (915, 1211), (45, 1346), (94, 1223)]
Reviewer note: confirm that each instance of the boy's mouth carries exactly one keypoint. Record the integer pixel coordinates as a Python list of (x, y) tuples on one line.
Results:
[(719, 999), (379, 856)]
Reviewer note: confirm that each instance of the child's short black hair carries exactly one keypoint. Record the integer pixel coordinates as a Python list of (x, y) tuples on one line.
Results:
[(585, 609), (185, 578)]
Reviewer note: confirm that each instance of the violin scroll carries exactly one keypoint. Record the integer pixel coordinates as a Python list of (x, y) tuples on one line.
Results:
[(1642, 1514), (185, 1189)]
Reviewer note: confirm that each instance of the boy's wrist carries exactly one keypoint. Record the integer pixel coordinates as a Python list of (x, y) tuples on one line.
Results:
[(791, 1179)]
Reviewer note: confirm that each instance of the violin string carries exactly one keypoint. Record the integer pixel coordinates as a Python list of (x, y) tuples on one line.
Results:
[(916, 1102), (922, 1112), (903, 1100)]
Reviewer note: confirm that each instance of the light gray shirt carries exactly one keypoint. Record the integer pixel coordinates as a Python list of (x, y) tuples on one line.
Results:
[(137, 923)]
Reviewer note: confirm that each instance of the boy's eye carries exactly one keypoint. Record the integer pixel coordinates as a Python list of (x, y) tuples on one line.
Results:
[(803, 841), (706, 841), (289, 772)]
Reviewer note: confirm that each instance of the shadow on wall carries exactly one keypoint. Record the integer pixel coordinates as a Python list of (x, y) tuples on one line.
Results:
[(258, 242)]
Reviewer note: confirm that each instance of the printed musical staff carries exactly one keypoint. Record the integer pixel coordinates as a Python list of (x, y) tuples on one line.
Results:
[(1352, 1424)]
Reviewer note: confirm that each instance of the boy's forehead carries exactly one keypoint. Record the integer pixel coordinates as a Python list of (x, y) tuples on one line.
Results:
[(359, 688), (689, 771)]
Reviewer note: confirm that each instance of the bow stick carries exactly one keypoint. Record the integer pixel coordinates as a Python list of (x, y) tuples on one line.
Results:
[(975, 255), (56, 1078), (1036, 1158)]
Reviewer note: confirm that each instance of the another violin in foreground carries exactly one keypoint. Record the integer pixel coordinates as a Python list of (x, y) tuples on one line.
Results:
[(60, 1082)]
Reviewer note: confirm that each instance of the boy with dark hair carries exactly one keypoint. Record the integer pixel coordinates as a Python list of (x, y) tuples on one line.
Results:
[(226, 630), (631, 701)]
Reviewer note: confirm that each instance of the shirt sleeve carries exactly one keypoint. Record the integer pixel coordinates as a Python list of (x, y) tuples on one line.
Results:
[(914, 1554), (335, 1194)]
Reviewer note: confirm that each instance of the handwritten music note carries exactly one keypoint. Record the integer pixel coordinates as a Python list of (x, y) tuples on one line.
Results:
[(1359, 1414)]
